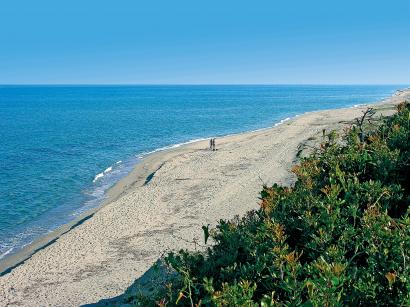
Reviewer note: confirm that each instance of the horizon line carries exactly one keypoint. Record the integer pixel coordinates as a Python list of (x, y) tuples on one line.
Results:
[(195, 84)]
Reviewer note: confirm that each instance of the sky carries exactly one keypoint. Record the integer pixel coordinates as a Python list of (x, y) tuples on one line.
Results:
[(204, 42)]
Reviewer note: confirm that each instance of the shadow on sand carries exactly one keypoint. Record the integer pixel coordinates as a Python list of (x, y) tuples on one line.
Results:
[(156, 277)]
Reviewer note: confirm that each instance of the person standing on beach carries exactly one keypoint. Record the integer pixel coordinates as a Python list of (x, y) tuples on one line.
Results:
[(213, 144)]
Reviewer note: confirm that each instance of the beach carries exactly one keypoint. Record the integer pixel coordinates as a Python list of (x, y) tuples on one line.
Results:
[(160, 206)]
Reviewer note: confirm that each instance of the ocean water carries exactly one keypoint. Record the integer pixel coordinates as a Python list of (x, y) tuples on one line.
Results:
[(62, 147)]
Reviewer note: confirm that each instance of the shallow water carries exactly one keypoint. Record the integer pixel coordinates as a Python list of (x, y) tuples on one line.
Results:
[(62, 147)]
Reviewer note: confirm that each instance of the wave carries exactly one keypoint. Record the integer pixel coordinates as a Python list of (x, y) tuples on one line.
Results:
[(144, 154), (98, 176), (282, 121), (6, 252), (105, 172)]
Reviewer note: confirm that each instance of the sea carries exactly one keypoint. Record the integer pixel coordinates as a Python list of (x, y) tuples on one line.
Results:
[(63, 147)]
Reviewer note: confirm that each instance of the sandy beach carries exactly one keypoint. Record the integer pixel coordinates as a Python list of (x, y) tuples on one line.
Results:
[(161, 206)]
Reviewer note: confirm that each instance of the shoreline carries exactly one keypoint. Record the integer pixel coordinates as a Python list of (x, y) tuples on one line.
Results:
[(117, 190), (152, 163), (120, 188)]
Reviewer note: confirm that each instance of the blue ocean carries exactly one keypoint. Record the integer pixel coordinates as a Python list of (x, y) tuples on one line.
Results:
[(62, 147)]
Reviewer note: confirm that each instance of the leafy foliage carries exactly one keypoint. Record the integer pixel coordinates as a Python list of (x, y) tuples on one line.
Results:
[(340, 236)]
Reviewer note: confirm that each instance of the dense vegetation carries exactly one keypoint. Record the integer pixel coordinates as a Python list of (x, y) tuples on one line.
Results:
[(339, 236)]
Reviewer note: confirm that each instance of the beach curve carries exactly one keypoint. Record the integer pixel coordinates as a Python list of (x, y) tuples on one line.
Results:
[(190, 186)]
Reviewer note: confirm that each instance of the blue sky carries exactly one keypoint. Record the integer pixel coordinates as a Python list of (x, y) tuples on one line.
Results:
[(197, 41)]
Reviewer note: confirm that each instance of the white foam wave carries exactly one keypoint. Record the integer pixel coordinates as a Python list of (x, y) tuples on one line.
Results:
[(144, 154), (357, 105), (282, 121), (6, 252), (98, 176), (105, 172)]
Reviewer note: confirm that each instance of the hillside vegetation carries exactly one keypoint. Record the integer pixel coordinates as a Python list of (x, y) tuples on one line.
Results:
[(339, 236)]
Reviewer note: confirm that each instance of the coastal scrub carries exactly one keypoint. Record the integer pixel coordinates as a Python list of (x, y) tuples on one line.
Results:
[(339, 236)]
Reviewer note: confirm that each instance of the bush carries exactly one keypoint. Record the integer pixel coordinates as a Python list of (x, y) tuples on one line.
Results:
[(339, 236)]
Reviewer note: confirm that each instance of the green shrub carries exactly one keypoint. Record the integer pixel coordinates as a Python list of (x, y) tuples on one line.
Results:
[(340, 236)]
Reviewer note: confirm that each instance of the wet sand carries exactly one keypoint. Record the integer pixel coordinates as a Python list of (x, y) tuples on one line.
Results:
[(161, 206)]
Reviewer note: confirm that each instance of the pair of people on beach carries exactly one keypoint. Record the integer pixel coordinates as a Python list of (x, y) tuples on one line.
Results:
[(212, 144)]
